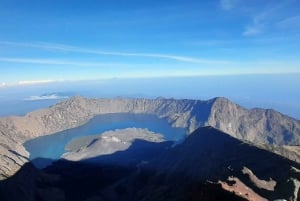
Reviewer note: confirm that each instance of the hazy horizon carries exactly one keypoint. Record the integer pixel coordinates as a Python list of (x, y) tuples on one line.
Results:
[(246, 51), (250, 91)]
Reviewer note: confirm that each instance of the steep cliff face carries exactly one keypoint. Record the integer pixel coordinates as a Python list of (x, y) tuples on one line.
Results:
[(257, 125), (12, 153), (78, 110)]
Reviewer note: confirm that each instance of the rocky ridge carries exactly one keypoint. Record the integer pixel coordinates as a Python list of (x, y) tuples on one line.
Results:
[(211, 154), (256, 125), (209, 157)]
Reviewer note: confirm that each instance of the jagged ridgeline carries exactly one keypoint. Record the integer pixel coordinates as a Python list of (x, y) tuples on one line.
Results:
[(265, 128)]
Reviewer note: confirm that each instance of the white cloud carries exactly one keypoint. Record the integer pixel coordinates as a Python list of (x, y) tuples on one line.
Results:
[(53, 61), (67, 48), (45, 97), (32, 82), (28, 82), (228, 4)]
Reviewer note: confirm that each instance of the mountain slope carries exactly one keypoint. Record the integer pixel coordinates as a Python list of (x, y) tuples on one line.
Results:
[(212, 158), (208, 165), (257, 125)]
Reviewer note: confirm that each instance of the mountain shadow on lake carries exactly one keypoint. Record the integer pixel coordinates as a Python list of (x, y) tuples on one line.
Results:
[(92, 179), (193, 170), (68, 180), (53, 146)]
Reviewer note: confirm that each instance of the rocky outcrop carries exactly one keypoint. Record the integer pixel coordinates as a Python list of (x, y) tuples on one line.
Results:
[(257, 125), (262, 184), (12, 153)]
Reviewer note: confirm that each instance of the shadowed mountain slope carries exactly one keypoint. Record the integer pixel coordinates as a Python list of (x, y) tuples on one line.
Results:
[(210, 158), (198, 169), (77, 181)]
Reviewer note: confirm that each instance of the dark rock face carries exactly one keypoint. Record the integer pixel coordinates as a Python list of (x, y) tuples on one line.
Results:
[(197, 169), (207, 149), (257, 125), (67, 180)]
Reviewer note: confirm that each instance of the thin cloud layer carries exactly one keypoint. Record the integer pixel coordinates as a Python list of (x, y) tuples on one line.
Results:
[(290, 23), (45, 97), (32, 82), (68, 48), (266, 20), (264, 16), (56, 62)]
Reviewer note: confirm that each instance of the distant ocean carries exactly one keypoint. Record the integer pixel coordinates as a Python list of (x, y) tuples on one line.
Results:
[(279, 92), (21, 107)]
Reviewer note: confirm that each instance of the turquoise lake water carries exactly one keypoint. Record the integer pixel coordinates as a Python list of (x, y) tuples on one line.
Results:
[(53, 146)]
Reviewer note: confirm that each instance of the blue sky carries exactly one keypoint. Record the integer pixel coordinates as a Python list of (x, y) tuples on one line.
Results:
[(44, 41)]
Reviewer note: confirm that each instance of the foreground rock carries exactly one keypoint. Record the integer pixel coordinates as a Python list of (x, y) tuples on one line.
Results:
[(208, 165), (209, 157), (256, 125)]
